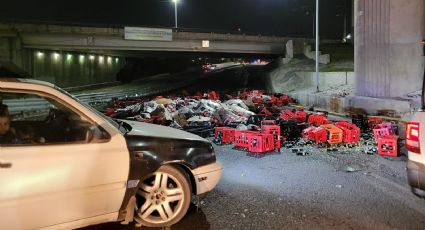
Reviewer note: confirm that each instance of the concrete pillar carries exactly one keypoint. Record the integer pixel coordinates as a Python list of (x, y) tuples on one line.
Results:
[(388, 53)]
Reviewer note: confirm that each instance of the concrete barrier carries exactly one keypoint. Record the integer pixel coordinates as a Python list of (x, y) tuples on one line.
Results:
[(326, 79), (348, 103)]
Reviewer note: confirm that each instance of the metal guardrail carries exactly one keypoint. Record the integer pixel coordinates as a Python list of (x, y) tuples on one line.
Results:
[(24, 105), (18, 106)]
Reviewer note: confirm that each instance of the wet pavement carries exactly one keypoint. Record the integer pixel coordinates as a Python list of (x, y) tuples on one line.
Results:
[(323, 190)]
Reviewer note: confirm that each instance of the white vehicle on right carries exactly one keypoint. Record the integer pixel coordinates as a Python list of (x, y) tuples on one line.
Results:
[(415, 130), (416, 154)]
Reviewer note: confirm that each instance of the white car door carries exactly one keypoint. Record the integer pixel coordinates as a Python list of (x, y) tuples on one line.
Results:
[(62, 172)]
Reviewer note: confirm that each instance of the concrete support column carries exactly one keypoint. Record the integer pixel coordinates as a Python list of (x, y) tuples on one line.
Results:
[(388, 53)]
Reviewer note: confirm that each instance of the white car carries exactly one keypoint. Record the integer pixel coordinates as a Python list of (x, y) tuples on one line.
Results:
[(70, 166), (415, 130), (416, 162)]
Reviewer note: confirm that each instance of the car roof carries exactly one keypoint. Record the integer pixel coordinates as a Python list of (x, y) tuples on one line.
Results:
[(28, 81)]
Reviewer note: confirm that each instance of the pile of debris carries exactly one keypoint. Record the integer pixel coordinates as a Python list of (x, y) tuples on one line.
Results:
[(197, 114), (259, 123)]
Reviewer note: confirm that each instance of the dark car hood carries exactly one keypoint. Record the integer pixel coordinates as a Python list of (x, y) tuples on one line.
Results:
[(146, 129)]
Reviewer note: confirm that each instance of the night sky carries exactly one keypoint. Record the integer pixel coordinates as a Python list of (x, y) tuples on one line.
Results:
[(267, 17)]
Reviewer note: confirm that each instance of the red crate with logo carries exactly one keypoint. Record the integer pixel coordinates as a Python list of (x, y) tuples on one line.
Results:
[(242, 138), (275, 131), (261, 143), (351, 133), (387, 146), (224, 135)]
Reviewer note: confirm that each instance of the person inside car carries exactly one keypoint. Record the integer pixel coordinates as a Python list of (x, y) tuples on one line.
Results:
[(26, 135), (7, 134)]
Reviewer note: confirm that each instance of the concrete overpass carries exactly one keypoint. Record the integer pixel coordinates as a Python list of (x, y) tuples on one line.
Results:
[(93, 54), (108, 39)]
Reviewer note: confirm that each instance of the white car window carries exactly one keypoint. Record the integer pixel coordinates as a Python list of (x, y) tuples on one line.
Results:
[(37, 120)]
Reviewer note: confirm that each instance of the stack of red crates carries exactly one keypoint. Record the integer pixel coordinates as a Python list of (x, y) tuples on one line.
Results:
[(275, 131), (224, 135), (351, 133), (386, 138)]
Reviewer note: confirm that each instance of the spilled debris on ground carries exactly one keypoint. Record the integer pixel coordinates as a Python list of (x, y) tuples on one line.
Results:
[(262, 124)]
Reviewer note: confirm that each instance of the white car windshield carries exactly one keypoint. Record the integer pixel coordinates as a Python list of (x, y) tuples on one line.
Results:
[(117, 124)]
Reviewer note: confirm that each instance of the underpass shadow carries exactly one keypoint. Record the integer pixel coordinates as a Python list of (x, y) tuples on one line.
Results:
[(195, 219)]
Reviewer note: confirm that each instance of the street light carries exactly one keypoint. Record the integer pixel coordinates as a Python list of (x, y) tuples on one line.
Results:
[(317, 45), (175, 11)]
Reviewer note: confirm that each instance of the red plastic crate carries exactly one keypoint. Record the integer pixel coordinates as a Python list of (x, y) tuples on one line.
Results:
[(257, 100), (275, 131), (387, 146), (334, 134), (276, 101), (381, 133), (256, 92), (288, 115), (280, 101), (301, 116), (224, 135), (242, 138), (385, 125), (213, 96), (261, 143), (265, 111), (271, 129), (320, 135), (308, 133), (317, 119), (374, 121), (351, 133)]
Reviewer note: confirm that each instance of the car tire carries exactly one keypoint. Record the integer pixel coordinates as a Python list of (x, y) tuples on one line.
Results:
[(163, 197)]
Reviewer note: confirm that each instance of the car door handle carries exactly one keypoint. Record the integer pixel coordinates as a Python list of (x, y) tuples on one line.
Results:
[(5, 165)]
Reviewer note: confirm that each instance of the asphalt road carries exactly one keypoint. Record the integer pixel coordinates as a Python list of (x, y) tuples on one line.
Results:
[(325, 190)]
